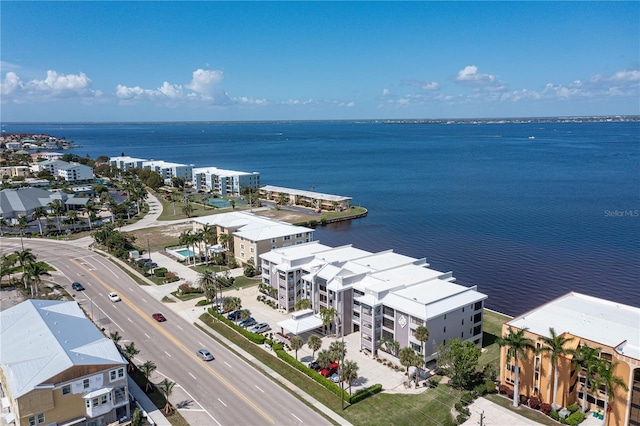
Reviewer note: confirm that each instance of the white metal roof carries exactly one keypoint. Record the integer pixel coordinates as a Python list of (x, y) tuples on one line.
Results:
[(310, 194), (300, 325), (42, 338), (609, 323), (252, 227)]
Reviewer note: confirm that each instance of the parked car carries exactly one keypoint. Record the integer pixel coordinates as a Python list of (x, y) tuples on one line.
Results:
[(260, 328), (234, 316), (77, 286), (114, 297), (204, 354), (246, 323), (327, 372), (315, 366), (335, 378), (158, 317)]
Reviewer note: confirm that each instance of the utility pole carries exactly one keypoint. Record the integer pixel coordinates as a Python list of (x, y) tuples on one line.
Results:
[(481, 419), (148, 248)]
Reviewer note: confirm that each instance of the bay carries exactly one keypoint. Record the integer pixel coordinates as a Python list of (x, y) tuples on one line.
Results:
[(525, 219)]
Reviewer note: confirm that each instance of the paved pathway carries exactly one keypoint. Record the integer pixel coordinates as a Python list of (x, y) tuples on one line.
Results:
[(494, 415)]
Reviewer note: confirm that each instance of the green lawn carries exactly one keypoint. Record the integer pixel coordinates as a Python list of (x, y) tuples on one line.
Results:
[(492, 328), (534, 415)]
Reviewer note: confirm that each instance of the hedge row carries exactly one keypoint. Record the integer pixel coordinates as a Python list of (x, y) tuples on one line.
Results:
[(258, 339), (278, 348)]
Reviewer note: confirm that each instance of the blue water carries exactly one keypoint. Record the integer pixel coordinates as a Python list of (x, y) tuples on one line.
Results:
[(525, 219)]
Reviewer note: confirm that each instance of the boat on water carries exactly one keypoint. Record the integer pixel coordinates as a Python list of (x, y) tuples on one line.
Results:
[(532, 137)]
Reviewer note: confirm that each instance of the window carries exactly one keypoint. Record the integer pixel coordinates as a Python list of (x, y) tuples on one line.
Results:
[(103, 399), (85, 383), (477, 317), (253, 250), (242, 254), (462, 321), (444, 330), (94, 402), (66, 389), (388, 323), (36, 420), (478, 306), (116, 374), (241, 246), (287, 237), (388, 311)]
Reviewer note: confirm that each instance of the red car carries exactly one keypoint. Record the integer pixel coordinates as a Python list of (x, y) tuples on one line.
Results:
[(158, 317), (327, 372)]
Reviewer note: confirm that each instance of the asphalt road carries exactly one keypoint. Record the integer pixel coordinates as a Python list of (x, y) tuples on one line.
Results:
[(225, 391)]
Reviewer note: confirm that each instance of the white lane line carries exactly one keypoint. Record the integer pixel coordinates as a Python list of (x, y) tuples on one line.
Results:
[(205, 410), (194, 377), (228, 364), (130, 289), (179, 327), (148, 337), (144, 301), (222, 402), (200, 343), (105, 314), (101, 295), (167, 354), (259, 389), (297, 418), (106, 266), (129, 320)]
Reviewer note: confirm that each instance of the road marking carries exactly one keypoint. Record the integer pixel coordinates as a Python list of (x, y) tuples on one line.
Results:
[(180, 345), (179, 327), (148, 337), (144, 301), (194, 377), (167, 354), (259, 389), (129, 320), (222, 402), (297, 418), (228, 364), (101, 295), (200, 343)]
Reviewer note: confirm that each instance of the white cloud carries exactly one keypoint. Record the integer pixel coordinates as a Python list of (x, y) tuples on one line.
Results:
[(204, 82), (469, 76), (385, 92), (54, 86), (5, 66)]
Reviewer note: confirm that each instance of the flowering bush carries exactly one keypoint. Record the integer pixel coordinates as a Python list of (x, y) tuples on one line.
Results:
[(546, 408), (534, 402)]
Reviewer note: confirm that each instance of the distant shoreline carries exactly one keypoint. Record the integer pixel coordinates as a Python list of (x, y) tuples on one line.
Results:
[(498, 120)]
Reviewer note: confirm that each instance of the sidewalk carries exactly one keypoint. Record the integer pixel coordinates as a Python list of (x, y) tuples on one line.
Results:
[(149, 410)]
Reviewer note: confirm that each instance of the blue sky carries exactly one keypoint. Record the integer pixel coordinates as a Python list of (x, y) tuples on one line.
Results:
[(177, 61)]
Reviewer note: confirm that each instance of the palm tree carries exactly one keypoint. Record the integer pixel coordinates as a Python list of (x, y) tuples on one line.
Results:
[(129, 352), (517, 346), (422, 335), (166, 387), (147, 369), (22, 225), (33, 272), (207, 282), (586, 358), (349, 372), (3, 223), (324, 358), (328, 315), (7, 265), (338, 350), (187, 209), (24, 257), (303, 304), (116, 337), (245, 314), (38, 213), (57, 208), (406, 357), (554, 345), (296, 343), (611, 382), (314, 343)]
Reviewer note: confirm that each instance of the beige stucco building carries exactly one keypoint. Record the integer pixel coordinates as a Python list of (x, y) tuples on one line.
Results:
[(613, 328)]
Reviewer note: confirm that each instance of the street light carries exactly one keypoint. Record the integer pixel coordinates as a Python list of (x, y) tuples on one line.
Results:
[(341, 366)]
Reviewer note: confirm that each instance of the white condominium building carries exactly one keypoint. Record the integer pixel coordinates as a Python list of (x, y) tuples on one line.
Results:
[(382, 295), (224, 182), (168, 170), (126, 163)]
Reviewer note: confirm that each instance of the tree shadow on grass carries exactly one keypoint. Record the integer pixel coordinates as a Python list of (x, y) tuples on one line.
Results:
[(488, 339)]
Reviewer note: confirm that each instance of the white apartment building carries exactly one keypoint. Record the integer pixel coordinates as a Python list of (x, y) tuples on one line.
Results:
[(379, 295), (126, 163), (169, 170), (70, 172), (224, 182)]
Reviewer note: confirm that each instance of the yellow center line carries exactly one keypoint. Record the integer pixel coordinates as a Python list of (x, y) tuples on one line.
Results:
[(176, 342)]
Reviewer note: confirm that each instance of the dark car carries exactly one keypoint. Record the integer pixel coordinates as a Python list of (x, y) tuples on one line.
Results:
[(246, 323), (315, 366), (234, 316), (327, 372), (158, 317), (77, 286)]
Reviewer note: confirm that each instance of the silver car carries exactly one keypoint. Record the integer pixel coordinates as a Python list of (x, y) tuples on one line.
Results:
[(260, 328), (204, 354)]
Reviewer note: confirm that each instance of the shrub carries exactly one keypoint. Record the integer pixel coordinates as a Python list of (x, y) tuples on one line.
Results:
[(554, 415), (510, 393), (524, 400), (458, 406), (545, 408), (576, 418), (467, 398), (202, 302), (365, 393), (435, 381), (534, 402), (461, 418), (490, 386), (160, 272), (502, 389), (573, 408), (480, 390)]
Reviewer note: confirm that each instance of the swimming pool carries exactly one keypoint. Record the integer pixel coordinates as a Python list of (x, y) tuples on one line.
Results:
[(219, 203), (182, 253)]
